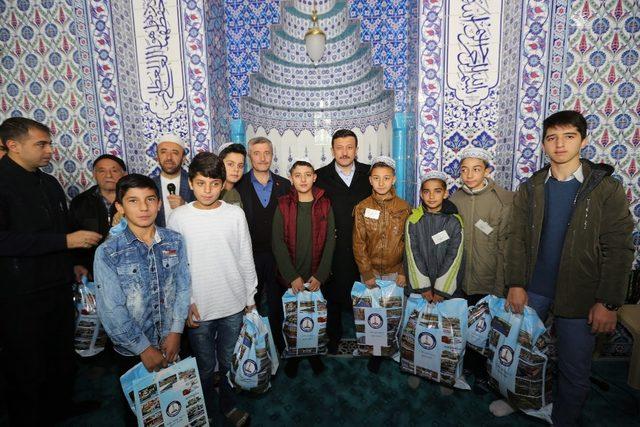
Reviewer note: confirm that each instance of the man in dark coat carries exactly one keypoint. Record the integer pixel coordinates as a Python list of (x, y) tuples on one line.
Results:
[(259, 191), (93, 209), (36, 301), (346, 182)]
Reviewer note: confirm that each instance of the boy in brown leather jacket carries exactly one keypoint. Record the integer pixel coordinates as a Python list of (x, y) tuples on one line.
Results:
[(378, 232)]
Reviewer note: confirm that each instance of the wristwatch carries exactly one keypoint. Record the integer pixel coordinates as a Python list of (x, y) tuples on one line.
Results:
[(611, 307)]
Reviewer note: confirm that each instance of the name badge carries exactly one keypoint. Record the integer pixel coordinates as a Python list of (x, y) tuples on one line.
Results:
[(484, 227), (440, 237), (371, 213)]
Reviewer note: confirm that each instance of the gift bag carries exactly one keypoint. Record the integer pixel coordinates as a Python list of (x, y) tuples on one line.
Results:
[(171, 397), (433, 340), (479, 326), (305, 323), (90, 337), (377, 313), (255, 358), (519, 359)]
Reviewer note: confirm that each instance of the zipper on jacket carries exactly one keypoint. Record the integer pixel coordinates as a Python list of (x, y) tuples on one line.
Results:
[(586, 213), (383, 205), (470, 251), (568, 256)]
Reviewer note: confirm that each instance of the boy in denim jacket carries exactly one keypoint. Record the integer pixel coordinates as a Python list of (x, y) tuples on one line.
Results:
[(142, 280)]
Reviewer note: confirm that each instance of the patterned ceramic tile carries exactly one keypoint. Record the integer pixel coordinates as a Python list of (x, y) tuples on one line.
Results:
[(41, 78)]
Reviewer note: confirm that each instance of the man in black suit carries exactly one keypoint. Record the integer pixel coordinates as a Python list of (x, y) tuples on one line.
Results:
[(346, 182), (36, 266), (259, 191)]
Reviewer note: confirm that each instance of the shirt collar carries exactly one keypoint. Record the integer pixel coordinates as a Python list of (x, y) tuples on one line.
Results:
[(16, 168), (340, 172), (485, 184), (578, 174), (254, 180), (132, 237)]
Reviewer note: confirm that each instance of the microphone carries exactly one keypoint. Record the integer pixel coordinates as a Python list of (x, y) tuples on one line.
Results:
[(171, 187)]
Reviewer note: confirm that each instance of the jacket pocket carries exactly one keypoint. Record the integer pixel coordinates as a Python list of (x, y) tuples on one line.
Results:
[(170, 261), (132, 286), (129, 275)]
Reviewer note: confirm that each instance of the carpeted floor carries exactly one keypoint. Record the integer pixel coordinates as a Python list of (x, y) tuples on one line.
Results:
[(347, 394)]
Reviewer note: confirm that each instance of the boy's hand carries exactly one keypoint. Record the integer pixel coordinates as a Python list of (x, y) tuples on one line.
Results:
[(152, 359), (401, 280), (194, 316), (602, 321), (248, 308), (314, 284), (297, 285), (432, 297), (371, 283), (517, 299), (171, 346)]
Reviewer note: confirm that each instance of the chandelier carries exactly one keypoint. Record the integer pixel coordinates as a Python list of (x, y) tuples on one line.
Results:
[(315, 39)]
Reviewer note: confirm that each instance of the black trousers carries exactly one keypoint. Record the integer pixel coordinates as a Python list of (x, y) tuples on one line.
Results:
[(337, 291), (266, 271), (474, 361), (38, 360)]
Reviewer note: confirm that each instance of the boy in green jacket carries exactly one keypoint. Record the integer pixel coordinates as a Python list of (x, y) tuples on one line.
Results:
[(484, 207), (570, 247)]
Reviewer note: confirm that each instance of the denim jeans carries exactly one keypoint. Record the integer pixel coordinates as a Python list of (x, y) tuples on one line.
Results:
[(211, 340), (575, 344)]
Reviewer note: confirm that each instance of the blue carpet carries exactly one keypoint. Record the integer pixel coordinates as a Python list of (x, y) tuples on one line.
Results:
[(347, 394)]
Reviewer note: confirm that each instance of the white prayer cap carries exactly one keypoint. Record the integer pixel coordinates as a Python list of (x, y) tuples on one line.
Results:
[(171, 137), (476, 153), (299, 160), (433, 175), (385, 160)]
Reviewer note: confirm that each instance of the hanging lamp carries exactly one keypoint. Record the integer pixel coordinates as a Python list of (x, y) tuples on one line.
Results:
[(315, 39)]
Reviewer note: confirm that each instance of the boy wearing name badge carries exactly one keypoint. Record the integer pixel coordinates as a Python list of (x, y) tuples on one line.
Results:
[(303, 240), (434, 247), (223, 277), (233, 155), (378, 237), (485, 208)]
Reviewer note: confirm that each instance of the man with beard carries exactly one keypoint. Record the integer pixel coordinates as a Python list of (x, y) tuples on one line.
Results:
[(93, 209), (346, 182), (173, 181), (36, 301)]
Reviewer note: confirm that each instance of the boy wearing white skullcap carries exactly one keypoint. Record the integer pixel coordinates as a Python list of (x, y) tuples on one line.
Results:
[(378, 238), (484, 207), (434, 247)]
